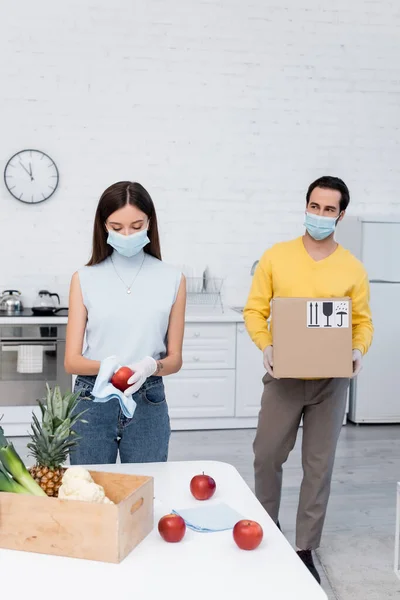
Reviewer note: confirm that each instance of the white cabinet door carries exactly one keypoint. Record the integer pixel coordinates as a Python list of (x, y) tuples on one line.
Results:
[(209, 346), (17, 419), (249, 373), (209, 357), (206, 394)]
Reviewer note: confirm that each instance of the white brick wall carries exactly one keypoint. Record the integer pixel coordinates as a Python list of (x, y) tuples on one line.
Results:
[(224, 109)]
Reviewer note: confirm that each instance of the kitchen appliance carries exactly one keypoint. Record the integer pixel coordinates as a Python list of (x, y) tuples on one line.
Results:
[(20, 347), (11, 303), (376, 242), (44, 305)]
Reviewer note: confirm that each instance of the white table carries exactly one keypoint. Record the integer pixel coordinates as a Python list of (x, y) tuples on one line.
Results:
[(397, 538), (203, 565)]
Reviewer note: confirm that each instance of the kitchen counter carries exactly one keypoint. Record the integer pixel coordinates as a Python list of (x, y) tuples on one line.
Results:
[(28, 318), (198, 314)]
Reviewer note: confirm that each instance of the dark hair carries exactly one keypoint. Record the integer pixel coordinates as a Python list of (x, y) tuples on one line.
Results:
[(331, 183), (115, 197)]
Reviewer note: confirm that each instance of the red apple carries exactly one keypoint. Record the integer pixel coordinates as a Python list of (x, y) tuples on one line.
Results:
[(247, 534), (172, 528), (120, 378), (202, 487)]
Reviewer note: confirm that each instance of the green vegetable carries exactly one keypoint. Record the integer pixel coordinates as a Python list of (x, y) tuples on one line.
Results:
[(8, 484), (12, 465)]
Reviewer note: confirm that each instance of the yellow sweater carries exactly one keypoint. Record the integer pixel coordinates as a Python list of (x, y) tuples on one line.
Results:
[(287, 270)]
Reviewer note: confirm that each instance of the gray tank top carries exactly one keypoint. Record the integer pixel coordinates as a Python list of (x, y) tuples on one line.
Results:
[(129, 326)]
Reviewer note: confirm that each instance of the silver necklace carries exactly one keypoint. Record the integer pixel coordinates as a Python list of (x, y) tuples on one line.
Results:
[(128, 287)]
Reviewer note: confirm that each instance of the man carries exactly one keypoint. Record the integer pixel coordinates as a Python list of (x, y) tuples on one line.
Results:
[(311, 266)]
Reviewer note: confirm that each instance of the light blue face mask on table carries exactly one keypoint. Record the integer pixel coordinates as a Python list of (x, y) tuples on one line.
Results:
[(128, 245), (319, 227)]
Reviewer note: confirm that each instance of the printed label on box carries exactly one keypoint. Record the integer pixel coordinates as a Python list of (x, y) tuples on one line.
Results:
[(327, 313)]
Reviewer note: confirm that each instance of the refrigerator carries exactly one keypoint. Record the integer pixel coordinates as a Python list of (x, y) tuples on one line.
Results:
[(375, 394)]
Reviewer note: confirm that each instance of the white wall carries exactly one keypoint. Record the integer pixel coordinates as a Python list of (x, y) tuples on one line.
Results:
[(225, 110)]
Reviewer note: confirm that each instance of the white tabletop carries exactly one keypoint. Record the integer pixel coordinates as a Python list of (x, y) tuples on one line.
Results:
[(203, 565)]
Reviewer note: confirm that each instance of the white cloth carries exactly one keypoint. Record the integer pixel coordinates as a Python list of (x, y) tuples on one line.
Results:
[(212, 517), (141, 371), (30, 359), (103, 389)]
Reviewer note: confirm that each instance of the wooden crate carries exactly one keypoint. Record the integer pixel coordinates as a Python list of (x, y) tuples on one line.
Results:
[(102, 532)]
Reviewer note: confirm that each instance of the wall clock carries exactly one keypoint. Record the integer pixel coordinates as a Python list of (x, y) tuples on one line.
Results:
[(31, 176)]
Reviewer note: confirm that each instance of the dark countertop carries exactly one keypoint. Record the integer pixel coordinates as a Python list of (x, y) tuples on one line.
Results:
[(27, 312)]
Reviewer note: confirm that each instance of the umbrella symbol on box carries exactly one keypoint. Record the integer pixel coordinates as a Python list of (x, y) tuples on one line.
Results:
[(341, 310)]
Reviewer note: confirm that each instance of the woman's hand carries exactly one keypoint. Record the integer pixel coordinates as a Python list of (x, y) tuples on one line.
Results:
[(141, 371)]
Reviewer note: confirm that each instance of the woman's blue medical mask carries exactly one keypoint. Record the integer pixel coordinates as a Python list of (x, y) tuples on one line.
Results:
[(320, 227), (128, 245)]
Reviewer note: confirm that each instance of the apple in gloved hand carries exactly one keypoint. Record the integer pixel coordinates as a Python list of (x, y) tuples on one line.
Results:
[(121, 377)]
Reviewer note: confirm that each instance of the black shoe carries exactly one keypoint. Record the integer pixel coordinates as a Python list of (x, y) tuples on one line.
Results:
[(278, 525), (306, 557)]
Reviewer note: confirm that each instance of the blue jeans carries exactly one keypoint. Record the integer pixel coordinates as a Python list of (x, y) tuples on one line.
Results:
[(144, 438)]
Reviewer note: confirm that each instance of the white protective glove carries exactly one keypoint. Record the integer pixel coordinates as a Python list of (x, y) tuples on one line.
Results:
[(104, 390), (141, 371), (268, 360), (357, 362)]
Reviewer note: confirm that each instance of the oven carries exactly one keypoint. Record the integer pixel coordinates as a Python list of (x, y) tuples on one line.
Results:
[(31, 355)]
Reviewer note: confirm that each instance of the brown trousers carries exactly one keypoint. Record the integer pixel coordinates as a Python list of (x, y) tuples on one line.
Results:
[(322, 405)]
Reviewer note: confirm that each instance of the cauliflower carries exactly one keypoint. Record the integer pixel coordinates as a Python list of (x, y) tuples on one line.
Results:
[(77, 484), (76, 473)]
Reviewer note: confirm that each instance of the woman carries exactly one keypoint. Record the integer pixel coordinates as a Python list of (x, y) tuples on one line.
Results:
[(129, 309)]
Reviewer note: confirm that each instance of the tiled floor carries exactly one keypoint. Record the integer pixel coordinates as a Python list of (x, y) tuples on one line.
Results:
[(357, 547)]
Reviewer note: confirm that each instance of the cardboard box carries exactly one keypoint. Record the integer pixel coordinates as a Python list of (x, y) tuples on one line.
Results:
[(102, 532), (312, 337)]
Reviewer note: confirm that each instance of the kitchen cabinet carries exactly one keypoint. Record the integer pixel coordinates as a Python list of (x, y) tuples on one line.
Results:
[(205, 387), (201, 394), (209, 346)]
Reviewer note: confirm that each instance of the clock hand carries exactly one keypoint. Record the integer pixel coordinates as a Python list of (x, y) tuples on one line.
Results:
[(25, 169), (30, 171)]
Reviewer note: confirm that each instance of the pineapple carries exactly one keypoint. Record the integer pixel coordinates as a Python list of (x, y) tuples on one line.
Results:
[(53, 438)]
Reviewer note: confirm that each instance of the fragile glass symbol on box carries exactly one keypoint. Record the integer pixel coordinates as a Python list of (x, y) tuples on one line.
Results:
[(327, 313)]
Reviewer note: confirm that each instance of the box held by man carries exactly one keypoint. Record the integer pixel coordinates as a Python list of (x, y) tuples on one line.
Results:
[(312, 338)]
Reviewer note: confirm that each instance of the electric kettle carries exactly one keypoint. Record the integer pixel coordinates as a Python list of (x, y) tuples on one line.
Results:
[(11, 303), (45, 305)]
